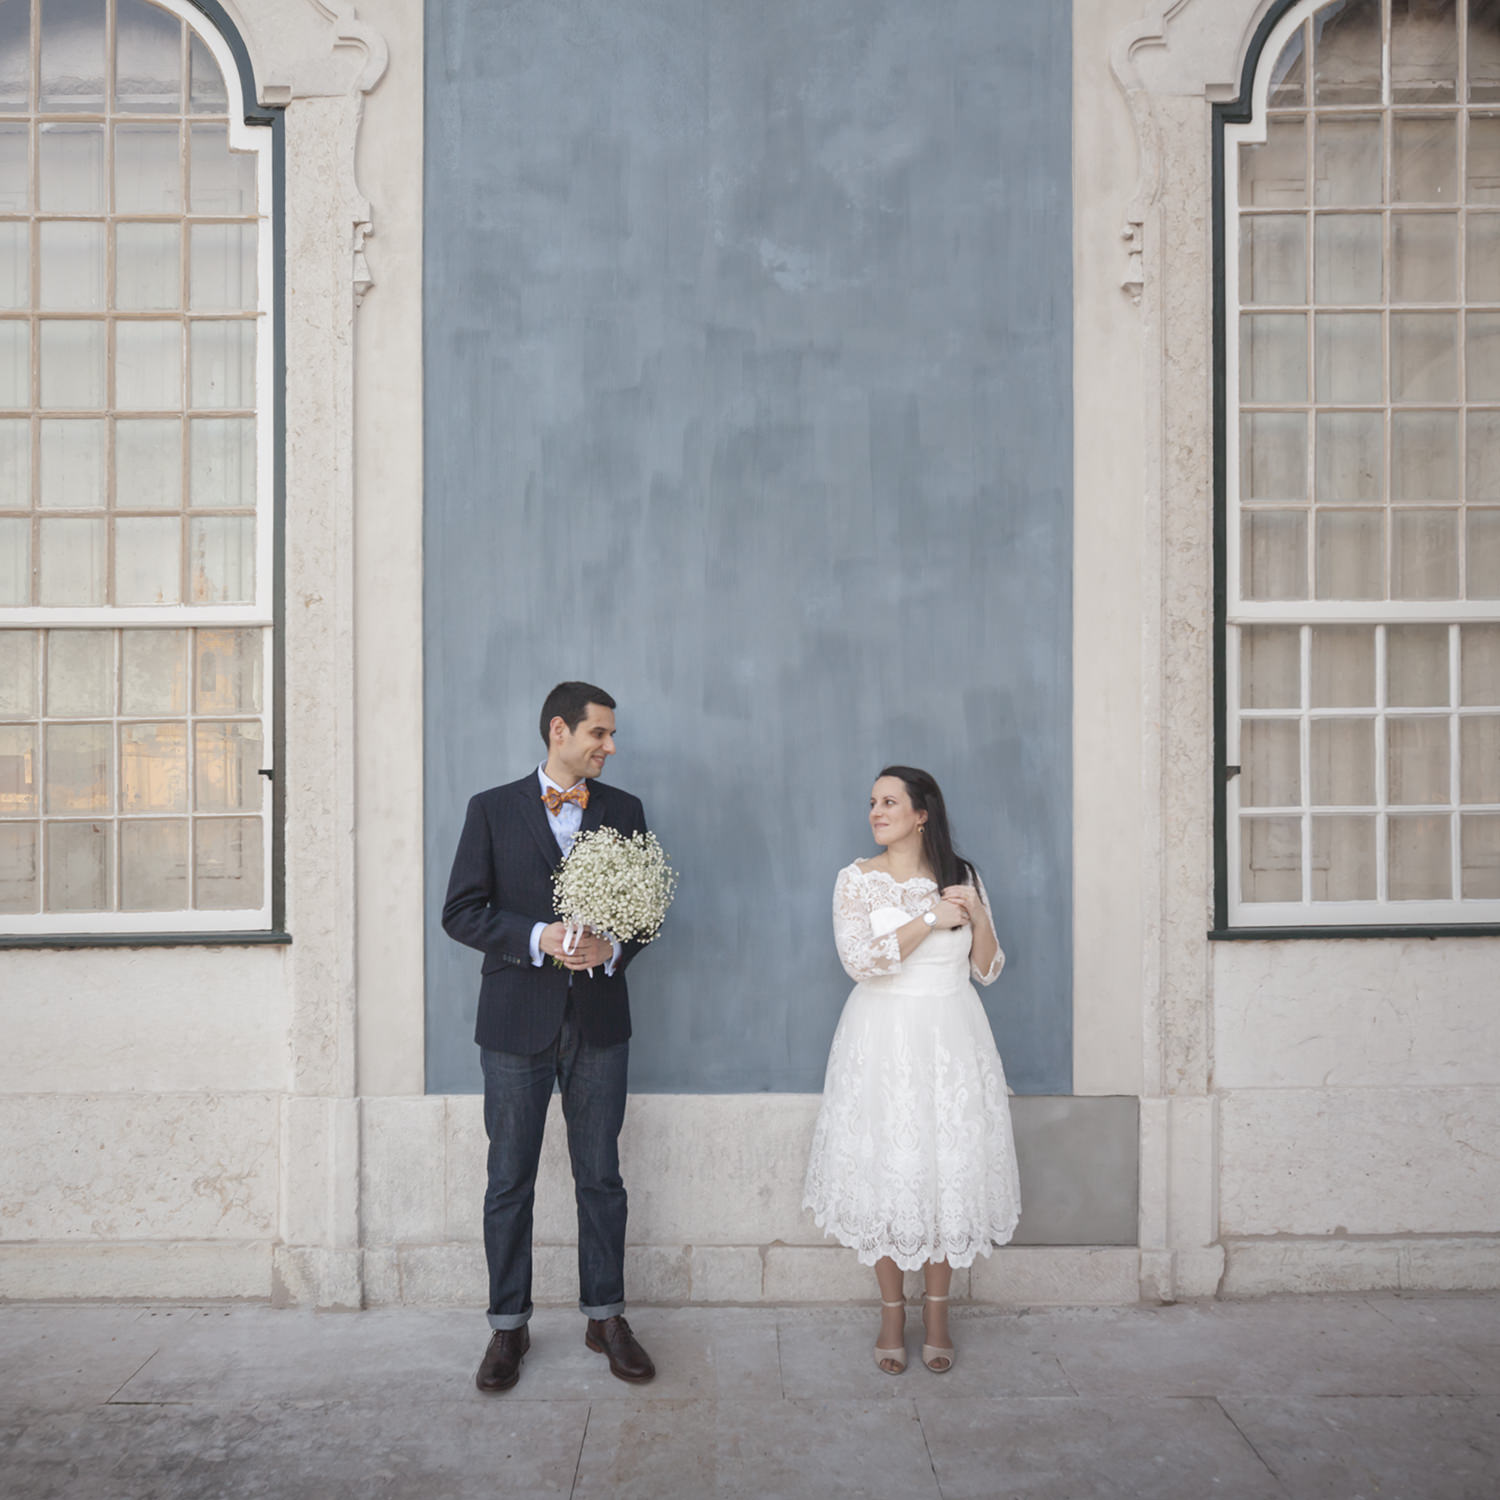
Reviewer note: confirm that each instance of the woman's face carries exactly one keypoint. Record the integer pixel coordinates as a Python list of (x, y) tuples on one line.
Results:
[(892, 817)]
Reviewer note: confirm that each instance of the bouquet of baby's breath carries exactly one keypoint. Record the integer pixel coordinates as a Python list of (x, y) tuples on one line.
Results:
[(614, 884)]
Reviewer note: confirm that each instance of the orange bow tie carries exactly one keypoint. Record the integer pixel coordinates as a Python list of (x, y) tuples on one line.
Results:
[(555, 799)]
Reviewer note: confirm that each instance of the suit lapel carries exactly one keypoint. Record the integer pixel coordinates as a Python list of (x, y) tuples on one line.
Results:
[(593, 814), (534, 816)]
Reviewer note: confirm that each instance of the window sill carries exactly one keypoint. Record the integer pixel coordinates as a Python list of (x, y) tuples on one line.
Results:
[(143, 939), (1416, 930)]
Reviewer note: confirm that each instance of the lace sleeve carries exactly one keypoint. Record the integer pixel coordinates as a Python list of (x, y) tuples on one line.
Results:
[(863, 955), (990, 975)]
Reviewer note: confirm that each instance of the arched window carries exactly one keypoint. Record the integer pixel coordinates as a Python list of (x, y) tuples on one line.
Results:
[(1360, 470), (136, 474)]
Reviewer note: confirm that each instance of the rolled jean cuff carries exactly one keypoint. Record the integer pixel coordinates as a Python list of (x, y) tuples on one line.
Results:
[(501, 1321), (606, 1310)]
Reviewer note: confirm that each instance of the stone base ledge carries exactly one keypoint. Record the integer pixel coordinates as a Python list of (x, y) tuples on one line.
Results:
[(1408, 1263), (164, 1271)]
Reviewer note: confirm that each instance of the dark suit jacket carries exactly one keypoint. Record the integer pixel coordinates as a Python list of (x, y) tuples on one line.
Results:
[(500, 888)]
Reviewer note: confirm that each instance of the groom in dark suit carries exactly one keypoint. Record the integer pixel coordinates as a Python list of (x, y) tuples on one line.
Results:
[(545, 1016)]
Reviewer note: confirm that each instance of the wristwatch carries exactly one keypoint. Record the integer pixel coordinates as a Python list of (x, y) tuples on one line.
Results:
[(930, 918)]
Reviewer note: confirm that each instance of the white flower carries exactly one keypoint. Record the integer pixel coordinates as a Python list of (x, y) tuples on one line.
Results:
[(618, 885)]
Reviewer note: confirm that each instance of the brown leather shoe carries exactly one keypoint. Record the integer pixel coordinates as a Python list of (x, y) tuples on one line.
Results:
[(501, 1366), (627, 1360)]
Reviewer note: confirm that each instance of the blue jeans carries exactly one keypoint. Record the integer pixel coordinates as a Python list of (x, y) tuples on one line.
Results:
[(517, 1089)]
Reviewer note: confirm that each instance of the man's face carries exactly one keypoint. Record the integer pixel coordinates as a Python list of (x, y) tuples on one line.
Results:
[(582, 751)]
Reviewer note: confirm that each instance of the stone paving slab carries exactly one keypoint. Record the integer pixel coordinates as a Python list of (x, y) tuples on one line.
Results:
[(1315, 1398)]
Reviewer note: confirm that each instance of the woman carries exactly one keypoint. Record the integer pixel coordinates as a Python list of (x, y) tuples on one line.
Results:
[(913, 1163)]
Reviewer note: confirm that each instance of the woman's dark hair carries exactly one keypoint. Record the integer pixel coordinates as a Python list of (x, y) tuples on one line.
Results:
[(948, 866), (569, 701)]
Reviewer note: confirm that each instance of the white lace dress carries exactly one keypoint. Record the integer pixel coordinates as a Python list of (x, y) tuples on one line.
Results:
[(912, 1155)]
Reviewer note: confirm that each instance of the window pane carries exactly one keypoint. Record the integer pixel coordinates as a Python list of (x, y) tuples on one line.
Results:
[(1348, 354), (1274, 175), (1479, 758), (15, 153), (1424, 52), (1346, 53), (1424, 456), (80, 673), (72, 472), (73, 365), (1343, 859), (1270, 761), (227, 861), (1273, 357), (15, 462), (72, 562), (1416, 762), (1270, 666), (1343, 762), (148, 169), (223, 267), (148, 464), (208, 94), (1350, 560), (1480, 834), (1416, 666), (1420, 868), (72, 261), (15, 57), (148, 60), (1424, 357), (78, 867), (15, 560), (223, 364), (1484, 159), (1347, 162), (19, 890), (1273, 259), (18, 769), (153, 672), (1424, 257), (1347, 258), (227, 762), (1484, 356), (148, 366), (1343, 666), (1424, 159), (1482, 556), (1482, 258), (1351, 456), (1483, 482), (1273, 554), (222, 561), (15, 266), (73, 56), (1424, 554), (148, 560), (223, 462), (223, 181), (80, 772), (154, 865), (15, 365), (1273, 456), (70, 159), (1288, 77), (153, 768), (1271, 859), (227, 678), (1479, 666), (148, 266), (17, 674), (1484, 52)]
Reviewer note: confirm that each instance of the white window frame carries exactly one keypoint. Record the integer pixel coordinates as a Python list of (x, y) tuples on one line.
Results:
[(1237, 612), (260, 613)]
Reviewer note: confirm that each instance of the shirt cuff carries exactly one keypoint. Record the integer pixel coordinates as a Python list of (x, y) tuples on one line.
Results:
[(614, 958), (536, 944)]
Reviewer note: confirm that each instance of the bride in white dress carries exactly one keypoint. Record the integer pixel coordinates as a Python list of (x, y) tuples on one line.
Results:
[(913, 1163)]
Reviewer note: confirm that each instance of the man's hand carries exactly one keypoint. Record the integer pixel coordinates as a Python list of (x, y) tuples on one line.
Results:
[(591, 952), (551, 941)]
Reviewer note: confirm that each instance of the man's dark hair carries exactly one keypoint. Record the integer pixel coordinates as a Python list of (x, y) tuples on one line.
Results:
[(569, 701)]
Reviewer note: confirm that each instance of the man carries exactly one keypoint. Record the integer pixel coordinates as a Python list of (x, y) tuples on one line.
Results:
[(544, 1017)]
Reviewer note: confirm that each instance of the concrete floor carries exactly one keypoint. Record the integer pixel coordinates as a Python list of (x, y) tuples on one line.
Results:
[(1380, 1397)]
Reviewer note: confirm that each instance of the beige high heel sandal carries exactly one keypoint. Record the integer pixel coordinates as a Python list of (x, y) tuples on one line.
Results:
[(938, 1360), (896, 1357)]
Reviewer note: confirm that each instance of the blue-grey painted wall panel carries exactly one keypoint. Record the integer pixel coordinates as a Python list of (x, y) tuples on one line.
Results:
[(748, 396)]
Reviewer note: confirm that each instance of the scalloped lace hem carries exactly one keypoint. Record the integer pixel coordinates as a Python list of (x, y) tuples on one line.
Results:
[(870, 1249)]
